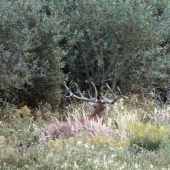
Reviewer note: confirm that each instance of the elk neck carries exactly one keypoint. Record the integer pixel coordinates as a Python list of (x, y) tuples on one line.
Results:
[(98, 113)]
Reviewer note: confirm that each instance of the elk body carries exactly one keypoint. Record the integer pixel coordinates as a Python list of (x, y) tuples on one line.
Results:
[(68, 129)]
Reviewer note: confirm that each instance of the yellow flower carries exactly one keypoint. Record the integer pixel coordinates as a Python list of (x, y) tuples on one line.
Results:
[(148, 108), (129, 127), (2, 138), (162, 132), (72, 140), (141, 112), (125, 142), (139, 128), (135, 145), (111, 142), (119, 145), (151, 130), (97, 139), (140, 135), (25, 111), (147, 100)]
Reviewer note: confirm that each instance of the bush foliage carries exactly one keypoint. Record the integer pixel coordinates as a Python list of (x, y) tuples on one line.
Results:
[(30, 57), (122, 43)]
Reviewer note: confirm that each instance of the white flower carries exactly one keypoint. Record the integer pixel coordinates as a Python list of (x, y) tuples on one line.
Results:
[(79, 142), (136, 165), (151, 166), (112, 156), (112, 149), (96, 161), (86, 146), (26, 166)]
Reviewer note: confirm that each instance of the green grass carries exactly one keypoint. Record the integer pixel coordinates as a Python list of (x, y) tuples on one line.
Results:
[(138, 145)]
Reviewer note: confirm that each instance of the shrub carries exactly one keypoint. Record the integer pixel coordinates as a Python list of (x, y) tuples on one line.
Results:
[(30, 56), (123, 42), (148, 136)]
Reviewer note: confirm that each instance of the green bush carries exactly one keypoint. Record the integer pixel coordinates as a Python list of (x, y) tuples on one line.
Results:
[(30, 57), (148, 136), (122, 42)]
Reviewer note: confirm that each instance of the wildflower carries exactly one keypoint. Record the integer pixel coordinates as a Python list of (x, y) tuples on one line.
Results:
[(119, 145), (162, 132), (112, 156), (26, 166), (139, 128), (140, 135), (135, 145), (125, 142), (97, 139), (151, 130), (25, 111), (2, 138), (86, 145), (111, 142), (79, 142), (141, 112), (71, 140), (151, 166), (148, 108), (147, 100), (112, 149), (129, 127)]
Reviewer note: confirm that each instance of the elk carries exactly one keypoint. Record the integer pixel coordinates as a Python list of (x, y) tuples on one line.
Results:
[(54, 130)]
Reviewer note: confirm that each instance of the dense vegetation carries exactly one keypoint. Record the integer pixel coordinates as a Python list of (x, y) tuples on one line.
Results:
[(124, 43), (134, 144)]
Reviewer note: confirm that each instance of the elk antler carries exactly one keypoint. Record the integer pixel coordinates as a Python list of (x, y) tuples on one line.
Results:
[(81, 97), (115, 98)]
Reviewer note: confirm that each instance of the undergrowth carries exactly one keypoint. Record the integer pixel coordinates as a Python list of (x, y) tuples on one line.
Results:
[(127, 140)]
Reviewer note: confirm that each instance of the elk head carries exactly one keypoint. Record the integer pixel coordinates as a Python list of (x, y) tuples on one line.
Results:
[(54, 130)]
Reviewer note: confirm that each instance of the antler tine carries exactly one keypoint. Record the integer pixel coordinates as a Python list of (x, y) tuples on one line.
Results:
[(69, 90), (96, 93), (121, 93), (105, 93), (110, 89), (81, 97), (89, 94), (115, 98), (79, 90)]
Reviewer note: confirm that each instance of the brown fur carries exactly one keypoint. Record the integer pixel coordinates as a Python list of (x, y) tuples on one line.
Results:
[(68, 129)]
